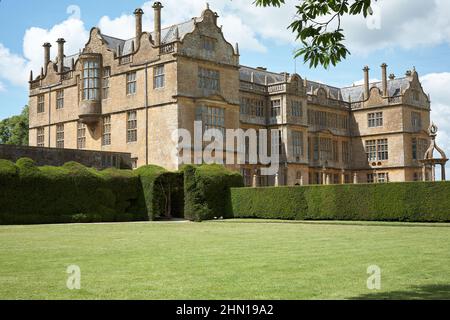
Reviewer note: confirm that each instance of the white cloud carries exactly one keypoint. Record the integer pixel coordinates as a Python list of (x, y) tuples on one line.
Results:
[(15, 68), (121, 27), (2, 87), (402, 23), (236, 31), (360, 82), (235, 28), (72, 30)]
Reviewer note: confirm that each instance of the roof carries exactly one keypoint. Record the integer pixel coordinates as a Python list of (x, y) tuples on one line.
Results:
[(259, 75), (335, 93), (168, 35), (356, 93), (352, 93)]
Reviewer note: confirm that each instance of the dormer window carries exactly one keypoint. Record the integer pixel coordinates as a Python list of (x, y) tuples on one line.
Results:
[(91, 80)]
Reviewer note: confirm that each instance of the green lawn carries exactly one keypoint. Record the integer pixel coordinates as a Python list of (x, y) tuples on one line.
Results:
[(225, 260)]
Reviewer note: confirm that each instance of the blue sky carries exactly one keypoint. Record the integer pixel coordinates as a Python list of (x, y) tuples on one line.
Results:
[(403, 33)]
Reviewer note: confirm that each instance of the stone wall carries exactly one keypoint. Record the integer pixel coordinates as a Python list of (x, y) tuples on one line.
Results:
[(57, 157)]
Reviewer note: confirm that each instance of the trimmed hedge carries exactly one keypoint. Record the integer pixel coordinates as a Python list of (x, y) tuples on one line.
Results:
[(412, 201), (74, 193), (207, 191), (162, 192), (71, 193)]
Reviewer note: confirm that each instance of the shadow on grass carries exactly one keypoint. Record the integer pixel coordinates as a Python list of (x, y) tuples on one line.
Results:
[(426, 292)]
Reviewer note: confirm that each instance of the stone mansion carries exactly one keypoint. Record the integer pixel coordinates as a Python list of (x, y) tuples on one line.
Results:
[(130, 95)]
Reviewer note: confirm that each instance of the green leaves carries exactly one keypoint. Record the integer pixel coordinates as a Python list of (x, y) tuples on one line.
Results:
[(317, 25), (269, 3), (14, 130)]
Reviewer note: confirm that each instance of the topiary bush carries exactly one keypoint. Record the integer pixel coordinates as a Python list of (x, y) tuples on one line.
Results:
[(70, 193), (207, 191), (412, 201), (162, 192)]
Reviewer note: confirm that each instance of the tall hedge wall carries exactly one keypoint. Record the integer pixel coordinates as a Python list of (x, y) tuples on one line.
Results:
[(162, 192), (415, 202), (71, 193), (207, 191)]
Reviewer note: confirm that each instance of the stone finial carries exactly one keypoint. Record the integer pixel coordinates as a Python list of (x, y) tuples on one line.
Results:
[(237, 48), (207, 6), (177, 34), (132, 46), (392, 76), (118, 50), (31, 75), (72, 65)]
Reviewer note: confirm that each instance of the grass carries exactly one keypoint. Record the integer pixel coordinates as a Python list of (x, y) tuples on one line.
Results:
[(226, 260)]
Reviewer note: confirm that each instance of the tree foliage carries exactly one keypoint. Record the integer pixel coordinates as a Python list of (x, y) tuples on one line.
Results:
[(14, 130), (317, 25)]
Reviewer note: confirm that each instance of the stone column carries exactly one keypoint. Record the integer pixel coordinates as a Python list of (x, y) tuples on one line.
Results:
[(47, 47), (301, 180), (384, 79), (443, 172), (277, 183), (138, 13), (366, 82), (424, 173), (255, 181), (157, 6), (355, 178), (433, 173), (61, 42), (328, 179)]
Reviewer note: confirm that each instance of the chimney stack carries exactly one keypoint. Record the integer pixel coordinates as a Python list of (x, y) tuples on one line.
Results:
[(384, 79), (61, 42), (366, 82), (47, 47), (138, 15), (157, 6)]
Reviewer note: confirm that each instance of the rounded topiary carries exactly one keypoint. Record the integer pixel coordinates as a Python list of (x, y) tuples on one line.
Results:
[(27, 167), (8, 168)]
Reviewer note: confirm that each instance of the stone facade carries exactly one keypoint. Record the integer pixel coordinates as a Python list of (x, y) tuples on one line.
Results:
[(57, 157), (130, 95)]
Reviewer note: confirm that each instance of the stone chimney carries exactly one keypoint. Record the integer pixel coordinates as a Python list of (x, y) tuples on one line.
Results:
[(138, 13), (157, 6), (384, 79), (47, 47), (366, 82), (61, 42)]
